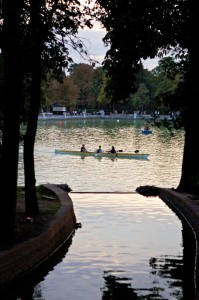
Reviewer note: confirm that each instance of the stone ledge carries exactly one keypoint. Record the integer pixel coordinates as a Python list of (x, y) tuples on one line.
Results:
[(26, 256), (187, 209)]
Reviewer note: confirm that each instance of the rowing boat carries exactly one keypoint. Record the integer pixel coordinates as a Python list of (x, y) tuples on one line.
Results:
[(146, 131), (135, 155)]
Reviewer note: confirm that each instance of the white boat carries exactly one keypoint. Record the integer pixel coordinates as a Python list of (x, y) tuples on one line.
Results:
[(136, 154)]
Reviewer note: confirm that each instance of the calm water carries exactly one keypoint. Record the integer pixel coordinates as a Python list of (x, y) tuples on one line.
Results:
[(92, 174), (129, 246), (127, 242)]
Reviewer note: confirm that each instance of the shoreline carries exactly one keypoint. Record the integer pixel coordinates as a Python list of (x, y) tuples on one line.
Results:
[(25, 257), (146, 117)]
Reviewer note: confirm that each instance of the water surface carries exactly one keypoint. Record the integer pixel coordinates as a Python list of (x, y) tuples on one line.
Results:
[(106, 175), (129, 246)]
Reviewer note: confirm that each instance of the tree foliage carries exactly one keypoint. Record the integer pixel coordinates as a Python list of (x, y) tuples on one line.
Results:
[(158, 84), (140, 100), (141, 29)]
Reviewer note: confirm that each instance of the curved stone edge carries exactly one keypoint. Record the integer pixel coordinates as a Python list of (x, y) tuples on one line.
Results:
[(25, 257), (186, 208)]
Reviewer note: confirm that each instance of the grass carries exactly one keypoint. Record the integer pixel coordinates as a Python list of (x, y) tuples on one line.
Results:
[(27, 227)]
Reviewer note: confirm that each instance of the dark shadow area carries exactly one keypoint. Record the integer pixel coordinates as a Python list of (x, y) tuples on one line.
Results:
[(23, 289), (189, 259), (187, 271), (171, 270)]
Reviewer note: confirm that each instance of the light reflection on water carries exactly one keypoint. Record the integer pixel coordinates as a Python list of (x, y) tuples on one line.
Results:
[(92, 174), (127, 243)]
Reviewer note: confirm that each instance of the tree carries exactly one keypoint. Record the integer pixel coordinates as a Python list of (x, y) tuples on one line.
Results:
[(82, 76), (156, 28), (11, 36), (140, 100), (1, 92), (65, 93), (39, 32), (50, 24), (167, 76)]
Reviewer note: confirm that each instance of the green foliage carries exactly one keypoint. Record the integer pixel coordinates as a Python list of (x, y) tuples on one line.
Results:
[(140, 100), (85, 87), (139, 30)]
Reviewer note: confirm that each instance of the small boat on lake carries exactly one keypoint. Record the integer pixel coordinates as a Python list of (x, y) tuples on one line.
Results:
[(146, 131), (119, 154)]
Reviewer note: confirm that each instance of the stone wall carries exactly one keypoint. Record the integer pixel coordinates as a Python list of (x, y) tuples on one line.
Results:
[(187, 209), (26, 256)]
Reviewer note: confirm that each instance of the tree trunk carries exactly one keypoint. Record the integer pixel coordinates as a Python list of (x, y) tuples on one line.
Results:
[(31, 203), (189, 181), (11, 115)]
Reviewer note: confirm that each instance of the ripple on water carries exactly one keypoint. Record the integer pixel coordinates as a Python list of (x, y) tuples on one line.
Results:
[(90, 174), (119, 243)]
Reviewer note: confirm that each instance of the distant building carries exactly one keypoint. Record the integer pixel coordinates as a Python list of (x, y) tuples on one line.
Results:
[(58, 109)]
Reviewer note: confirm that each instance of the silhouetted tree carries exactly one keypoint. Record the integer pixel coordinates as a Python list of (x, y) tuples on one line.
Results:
[(140, 29)]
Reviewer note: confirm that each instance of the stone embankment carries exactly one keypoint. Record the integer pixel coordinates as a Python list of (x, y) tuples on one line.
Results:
[(187, 208), (26, 256)]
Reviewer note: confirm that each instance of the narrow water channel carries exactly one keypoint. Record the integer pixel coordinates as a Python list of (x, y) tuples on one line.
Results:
[(127, 247)]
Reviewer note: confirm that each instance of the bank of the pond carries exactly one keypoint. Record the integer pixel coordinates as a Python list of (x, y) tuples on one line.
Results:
[(146, 117), (25, 257), (187, 208), (43, 116)]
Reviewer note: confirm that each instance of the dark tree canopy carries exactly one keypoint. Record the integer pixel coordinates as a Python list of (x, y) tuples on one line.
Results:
[(139, 30), (143, 29)]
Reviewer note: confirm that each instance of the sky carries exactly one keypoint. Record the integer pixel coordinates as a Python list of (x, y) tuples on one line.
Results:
[(93, 41)]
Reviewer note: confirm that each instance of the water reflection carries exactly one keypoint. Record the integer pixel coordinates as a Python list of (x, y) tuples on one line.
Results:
[(119, 287), (129, 247), (113, 245), (119, 175), (29, 287), (189, 279), (115, 287)]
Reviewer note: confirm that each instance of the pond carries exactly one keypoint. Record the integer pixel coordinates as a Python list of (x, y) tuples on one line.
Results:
[(90, 174), (129, 246)]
